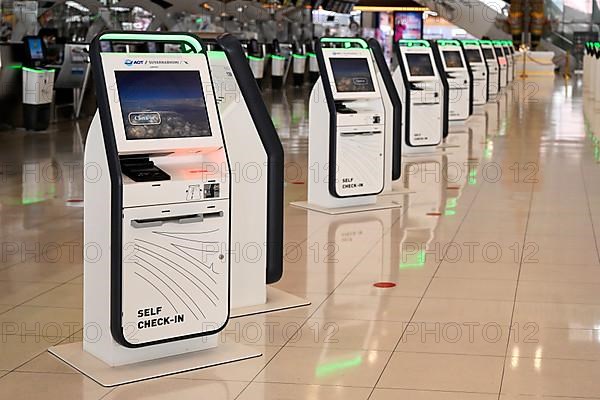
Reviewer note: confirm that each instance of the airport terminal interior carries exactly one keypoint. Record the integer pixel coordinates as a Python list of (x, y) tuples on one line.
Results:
[(283, 200)]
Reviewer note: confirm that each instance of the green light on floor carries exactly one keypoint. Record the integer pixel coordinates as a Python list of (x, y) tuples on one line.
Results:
[(473, 176), (451, 203), (332, 368), (450, 213), (32, 200), (419, 261)]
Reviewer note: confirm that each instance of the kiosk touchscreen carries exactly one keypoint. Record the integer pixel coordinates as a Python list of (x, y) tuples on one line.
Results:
[(451, 59), (353, 125), (479, 69), (160, 204), (423, 95), (493, 68), (502, 62)]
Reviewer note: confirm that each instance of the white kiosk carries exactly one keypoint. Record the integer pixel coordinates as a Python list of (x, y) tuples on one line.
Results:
[(163, 214), (354, 127), (510, 59), (479, 69), (451, 60), (422, 93), (502, 62), (493, 68)]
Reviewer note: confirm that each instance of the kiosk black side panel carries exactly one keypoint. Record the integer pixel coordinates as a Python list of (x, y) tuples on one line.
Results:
[(332, 119), (116, 195), (440, 67), (403, 69), (471, 77), (270, 140), (397, 104)]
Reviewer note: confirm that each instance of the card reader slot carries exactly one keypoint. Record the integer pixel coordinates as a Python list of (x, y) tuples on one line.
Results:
[(177, 219), (363, 133)]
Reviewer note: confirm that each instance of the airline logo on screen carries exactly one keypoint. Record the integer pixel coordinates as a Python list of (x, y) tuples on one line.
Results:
[(144, 118), (129, 62)]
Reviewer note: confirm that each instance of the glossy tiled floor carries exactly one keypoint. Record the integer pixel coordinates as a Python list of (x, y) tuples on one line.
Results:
[(494, 256)]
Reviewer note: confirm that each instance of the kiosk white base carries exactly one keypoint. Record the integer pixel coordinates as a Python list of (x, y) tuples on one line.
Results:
[(383, 205), (277, 300), (107, 376)]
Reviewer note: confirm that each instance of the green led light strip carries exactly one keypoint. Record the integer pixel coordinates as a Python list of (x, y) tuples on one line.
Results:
[(276, 57), (37, 71), (446, 42), (298, 56), (470, 42), (485, 42), (254, 58), (194, 44), (413, 43), (358, 41)]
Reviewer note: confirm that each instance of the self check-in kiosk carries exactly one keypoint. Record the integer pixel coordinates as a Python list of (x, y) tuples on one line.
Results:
[(256, 58), (38, 85), (479, 69), (278, 64), (163, 203), (354, 119), (298, 63), (502, 62), (452, 62), (493, 68), (423, 95), (313, 64), (510, 60)]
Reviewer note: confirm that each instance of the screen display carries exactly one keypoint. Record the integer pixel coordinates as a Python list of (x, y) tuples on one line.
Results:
[(473, 55), (488, 53), (453, 59), (408, 25), (498, 51), (105, 47), (162, 104), (419, 64), (36, 50), (352, 75)]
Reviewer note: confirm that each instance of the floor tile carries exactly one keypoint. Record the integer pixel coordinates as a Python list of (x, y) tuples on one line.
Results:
[(478, 289), (432, 372), (551, 377), (369, 308), (279, 391), (325, 367), (393, 394), (177, 389), (464, 311), (27, 385)]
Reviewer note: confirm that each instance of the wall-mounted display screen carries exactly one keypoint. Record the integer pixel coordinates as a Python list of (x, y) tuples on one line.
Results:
[(488, 53), (352, 75), (419, 64), (453, 59), (408, 25), (36, 48), (162, 104), (473, 55)]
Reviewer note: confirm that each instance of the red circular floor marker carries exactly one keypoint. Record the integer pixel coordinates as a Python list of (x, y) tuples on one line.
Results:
[(297, 183), (453, 188), (434, 214), (384, 285), (74, 200)]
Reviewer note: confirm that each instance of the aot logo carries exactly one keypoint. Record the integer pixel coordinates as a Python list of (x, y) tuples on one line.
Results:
[(129, 62), (144, 118)]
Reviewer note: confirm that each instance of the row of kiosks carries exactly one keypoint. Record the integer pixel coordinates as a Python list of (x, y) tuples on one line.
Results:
[(181, 249), (424, 96)]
